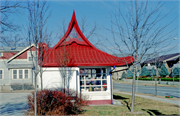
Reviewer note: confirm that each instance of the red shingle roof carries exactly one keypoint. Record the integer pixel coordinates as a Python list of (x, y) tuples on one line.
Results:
[(74, 50)]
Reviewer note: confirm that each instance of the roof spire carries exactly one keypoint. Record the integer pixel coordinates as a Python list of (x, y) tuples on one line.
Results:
[(74, 14)]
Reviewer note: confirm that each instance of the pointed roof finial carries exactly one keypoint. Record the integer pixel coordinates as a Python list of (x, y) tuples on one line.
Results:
[(74, 13)]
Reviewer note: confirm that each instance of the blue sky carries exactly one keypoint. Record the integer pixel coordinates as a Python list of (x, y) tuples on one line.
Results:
[(95, 11)]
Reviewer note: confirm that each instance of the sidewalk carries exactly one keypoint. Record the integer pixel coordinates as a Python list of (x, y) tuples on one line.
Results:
[(176, 102)]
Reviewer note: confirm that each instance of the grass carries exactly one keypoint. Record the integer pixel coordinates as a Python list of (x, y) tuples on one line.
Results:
[(153, 95), (143, 107)]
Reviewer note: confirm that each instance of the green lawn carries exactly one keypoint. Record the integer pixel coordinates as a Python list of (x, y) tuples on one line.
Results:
[(142, 107)]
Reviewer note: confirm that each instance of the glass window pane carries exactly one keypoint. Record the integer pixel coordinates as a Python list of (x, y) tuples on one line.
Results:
[(73, 34), (98, 82), (80, 39), (0, 71), (0, 76), (20, 72), (26, 76), (14, 76), (103, 70), (104, 76), (26, 71), (104, 85), (20, 76), (97, 88), (14, 71), (82, 89), (30, 59), (81, 82)]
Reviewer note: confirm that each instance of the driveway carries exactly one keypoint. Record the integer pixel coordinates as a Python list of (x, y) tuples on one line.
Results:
[(13, 104)]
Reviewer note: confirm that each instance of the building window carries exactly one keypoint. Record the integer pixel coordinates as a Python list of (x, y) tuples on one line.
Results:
[(1, 74), (73, 34), (1, 54), (20, 74), (93, 79), (31, 55), (14, 74), (26, 74)]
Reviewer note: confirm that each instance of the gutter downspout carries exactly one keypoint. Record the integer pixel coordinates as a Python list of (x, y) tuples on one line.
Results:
[(111, 83)]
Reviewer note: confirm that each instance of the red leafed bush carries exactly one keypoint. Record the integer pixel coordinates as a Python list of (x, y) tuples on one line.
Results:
[(56, 102)]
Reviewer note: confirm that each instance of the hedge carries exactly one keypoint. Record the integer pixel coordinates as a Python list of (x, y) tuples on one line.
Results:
[(162, 79), (19, 86)]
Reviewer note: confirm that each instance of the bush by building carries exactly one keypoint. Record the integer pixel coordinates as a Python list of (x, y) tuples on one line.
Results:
[(56, 102), (129, 73), (163, 71), (20, 86), (153, 72), (175, 71), (144, 72)]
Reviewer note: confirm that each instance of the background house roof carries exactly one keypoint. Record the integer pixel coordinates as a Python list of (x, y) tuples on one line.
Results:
[(169, 57), (10, 49), (74, 49)]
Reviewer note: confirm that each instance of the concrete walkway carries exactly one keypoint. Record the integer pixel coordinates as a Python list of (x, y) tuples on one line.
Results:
[(176, 102)]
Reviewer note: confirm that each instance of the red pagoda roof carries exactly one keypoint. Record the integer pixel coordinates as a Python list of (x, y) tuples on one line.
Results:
[(74, 50)]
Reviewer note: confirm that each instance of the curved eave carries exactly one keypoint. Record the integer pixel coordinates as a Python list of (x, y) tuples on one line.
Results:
[(84, 64)]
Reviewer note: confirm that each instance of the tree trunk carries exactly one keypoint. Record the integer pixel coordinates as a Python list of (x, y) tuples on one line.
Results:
[(35, 102), (133, 91), (41, 81)]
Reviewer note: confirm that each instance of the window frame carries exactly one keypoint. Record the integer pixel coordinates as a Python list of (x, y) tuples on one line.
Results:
[(2, 74), (84, 82), (23, 74)]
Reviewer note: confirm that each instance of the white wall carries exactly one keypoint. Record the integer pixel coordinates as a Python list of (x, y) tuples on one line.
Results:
[(52, 78)]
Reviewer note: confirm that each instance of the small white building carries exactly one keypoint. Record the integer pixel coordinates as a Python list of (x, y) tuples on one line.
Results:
[(74, 63)]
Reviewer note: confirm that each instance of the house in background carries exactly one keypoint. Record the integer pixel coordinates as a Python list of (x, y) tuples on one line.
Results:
[(16, 66), (75, 63), (170, 60)]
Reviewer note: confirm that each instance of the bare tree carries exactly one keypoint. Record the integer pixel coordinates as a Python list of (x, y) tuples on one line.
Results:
[(63, 58), (8, 8), (13, 41), (38, 16), (137, 29)]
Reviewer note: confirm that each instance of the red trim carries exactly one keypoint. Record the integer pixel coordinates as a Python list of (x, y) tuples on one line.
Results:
[(98, 102)]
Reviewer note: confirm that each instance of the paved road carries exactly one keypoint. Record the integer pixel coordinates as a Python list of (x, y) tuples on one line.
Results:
[(161, 91), (13, 104)]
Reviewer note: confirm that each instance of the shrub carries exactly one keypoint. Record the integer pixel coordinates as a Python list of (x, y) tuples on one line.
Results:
[(153, 72), (163, 72), (19, 86), (176, 77), (176, 71), (129, 73), (169, 79), (56, 102), (144, 71)]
